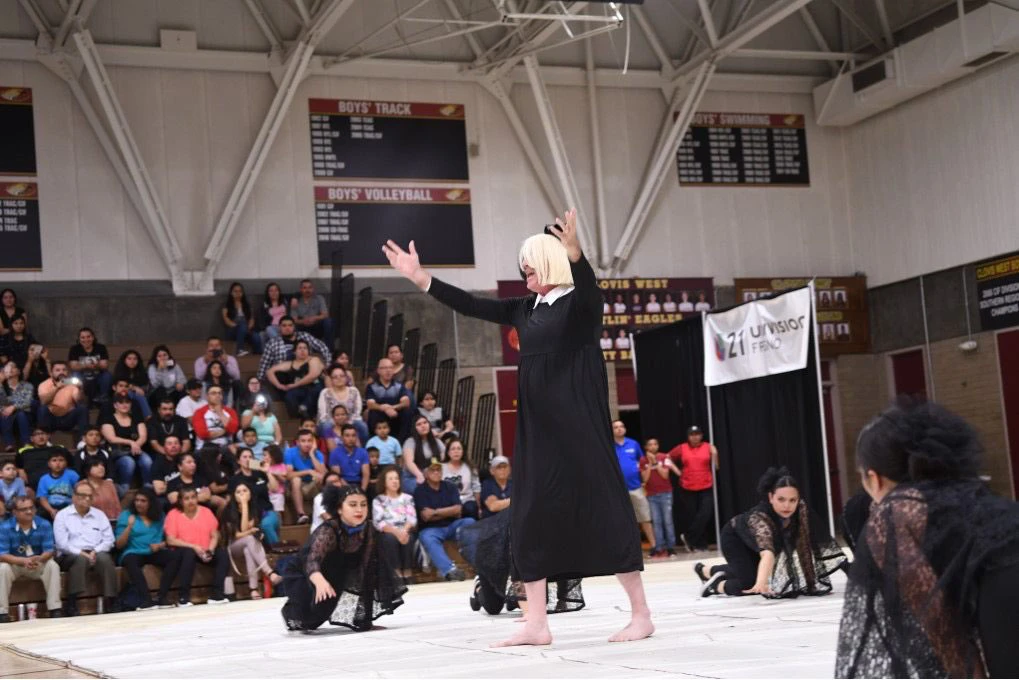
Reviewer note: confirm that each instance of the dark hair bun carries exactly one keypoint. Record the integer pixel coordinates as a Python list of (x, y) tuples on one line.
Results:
[(774, 478)]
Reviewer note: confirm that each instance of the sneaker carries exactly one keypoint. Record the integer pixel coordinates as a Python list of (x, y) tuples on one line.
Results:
[(164, 604), (242, 353), (475, 605), (5, 618), (146, 606), (686, 544), (670, 552), (303, 519), (699, 570), (217, 599), (711, 587), (185, 603), (57, 613), (455, 575)]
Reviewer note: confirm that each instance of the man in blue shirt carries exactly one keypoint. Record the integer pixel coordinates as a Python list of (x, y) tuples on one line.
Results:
[(629, 454), (438, 508), (496, 490), (349, 459), (305, 469), (26, 551), (387, 399)]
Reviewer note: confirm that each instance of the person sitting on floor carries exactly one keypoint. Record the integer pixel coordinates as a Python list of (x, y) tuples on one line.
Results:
[(214, 352), (311, 314), (215, 376), (429, 408), (264, 424), (439, 519), (239, 321), (262, 485), (395, 519), (141, 541), (341, 563), (299, 380), (55, 489), (26, 552), (243, 537), (463, 476), (338, 392), (164, 468), (193, 530), (62, 402), (306, 469), (84, 538), (9, 309), (191, 401), (776, 549), (34, 461), (104, 491), (351, 460), (246, 399)]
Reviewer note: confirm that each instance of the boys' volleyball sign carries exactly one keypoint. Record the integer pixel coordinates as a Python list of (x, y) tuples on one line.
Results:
[(758, 338)]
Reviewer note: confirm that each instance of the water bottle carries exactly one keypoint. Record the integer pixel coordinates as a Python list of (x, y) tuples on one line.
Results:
[(22, 614), (100, 605)]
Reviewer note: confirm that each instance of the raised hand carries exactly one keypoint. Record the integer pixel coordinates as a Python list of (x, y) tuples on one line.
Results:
[(407, 263), (568, 237)]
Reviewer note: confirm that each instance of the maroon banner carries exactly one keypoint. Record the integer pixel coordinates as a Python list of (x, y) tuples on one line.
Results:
[(629, 305), (356, 107), (360, 194), (775, 120)]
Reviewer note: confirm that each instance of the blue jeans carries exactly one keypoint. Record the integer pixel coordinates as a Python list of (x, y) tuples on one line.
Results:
[(270, 525), (19, 418), (362, 430), (661, 520), (97, 387), (142, 403), (408, 482), (240, 333), (306, 396), (76, 420), (432, 538), (124, 468), (323, 330)]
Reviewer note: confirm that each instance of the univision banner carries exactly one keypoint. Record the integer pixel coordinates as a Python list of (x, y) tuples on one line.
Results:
[(757, 339)]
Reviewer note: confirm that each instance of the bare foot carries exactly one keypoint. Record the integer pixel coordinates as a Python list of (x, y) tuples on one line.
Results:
[(522, 619), (640, 627), (528, 636)]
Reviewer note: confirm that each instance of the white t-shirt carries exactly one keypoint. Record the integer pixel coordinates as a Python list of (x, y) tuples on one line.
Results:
[(316, 512), (619, 308), (703, 306), (653, 308), (622, 343), (187, 406), (686, 306), (669, 307), (606, 343)]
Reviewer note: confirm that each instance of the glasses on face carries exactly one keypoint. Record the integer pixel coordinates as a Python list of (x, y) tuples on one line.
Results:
[(30, 508), (83, 495)]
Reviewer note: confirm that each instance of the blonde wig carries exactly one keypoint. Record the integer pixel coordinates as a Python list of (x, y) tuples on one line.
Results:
[(547, 257)]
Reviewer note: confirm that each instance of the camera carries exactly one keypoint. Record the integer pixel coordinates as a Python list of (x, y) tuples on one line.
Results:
[(170, 363), (217, 353), (74, 380), (261, 400)]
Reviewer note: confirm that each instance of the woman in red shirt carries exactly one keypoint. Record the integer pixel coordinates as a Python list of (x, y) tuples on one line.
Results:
[(695, 503)]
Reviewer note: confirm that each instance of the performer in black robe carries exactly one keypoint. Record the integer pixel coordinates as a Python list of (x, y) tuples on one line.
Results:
[(341, 575), (572, 514)]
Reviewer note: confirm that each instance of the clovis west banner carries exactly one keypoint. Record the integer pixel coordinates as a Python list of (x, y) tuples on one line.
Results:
[(756, 339)]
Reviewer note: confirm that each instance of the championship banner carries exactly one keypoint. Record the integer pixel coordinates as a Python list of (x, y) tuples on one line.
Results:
[(757, 339), (998, 292), (628, 305)]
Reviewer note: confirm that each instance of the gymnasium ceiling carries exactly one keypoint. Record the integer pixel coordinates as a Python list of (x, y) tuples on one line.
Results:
[(389, 29)]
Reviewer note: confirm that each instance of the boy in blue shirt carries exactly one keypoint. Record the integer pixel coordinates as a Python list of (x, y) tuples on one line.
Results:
[(55, 489), (389, 448), (305, 471), (11, 486)]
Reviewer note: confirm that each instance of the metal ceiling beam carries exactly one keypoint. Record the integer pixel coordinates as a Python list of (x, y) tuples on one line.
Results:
[(815, 32), (38, 20), (796, 55), (506, 62), (652, 38), (886, 27), (265, 24), (709, 23), (384, 27), (65, 25), (560, 159), (302, 11), (596, 158), (469, 38), (849, 13), (295, 69)]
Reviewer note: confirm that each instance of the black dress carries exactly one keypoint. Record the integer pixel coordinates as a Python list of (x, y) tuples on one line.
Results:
[(356, 569), (572, 515)]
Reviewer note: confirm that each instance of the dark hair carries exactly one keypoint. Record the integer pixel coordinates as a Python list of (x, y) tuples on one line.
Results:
[(776, 478), (18, 317), (919, 441), (93, 428), (392, 345), (187, 454), (286, 317), (56, 453), (304, 281), (230, 518), (333, 497), (266, 301), (155, 511), (94, 461), (192, 384), (329, 475), (133, 376), (274, 453), (242, 449), (304, 431), (156, 350), (372, 448), (121, 398), (425, 394), (58, 362), (213, 337), (222, 374), (333, 412), (307, 345), (11, 291), (247, 430), (345, 427), (86, 328), (168, 400), (228, 304), (187, 488), (380, 483)]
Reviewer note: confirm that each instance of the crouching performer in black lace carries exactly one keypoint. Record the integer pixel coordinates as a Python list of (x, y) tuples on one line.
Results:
[(778, 548), (341, 575)]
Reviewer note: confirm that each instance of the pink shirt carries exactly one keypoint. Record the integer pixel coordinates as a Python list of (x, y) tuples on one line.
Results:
[(197, 531)]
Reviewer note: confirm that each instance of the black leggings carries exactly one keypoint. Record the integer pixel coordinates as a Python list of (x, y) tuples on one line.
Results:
[(167, 560), (999, 601), (396, 554), (696, 510), (220, 564), (741, 564)]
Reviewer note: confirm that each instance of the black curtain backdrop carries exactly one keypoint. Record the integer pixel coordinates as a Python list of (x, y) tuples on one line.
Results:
[(758, 423)]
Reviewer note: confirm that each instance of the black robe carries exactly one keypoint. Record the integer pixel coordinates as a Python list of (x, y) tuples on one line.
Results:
[(572, 515)]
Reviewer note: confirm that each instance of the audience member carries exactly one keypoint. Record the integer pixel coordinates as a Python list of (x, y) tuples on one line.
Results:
[(164, 466), (91, 446), (331, 431), (16, 398), (497, 489), (339, 393), (374, 470), (281, 348), (299, 381), (439, 519), (460, 474), (189, 475), (262, 485), (696, 511), (311, 314), (240, 323), (9, 309), (247, 398), (658, 488), (193, 531), (342, 359), (165, 423), (395, 519), (84, 538), (126, 436), (387, 399), (274, 308), (278, 469), (142, 541), (104, 492), (15, 345), (166, 377), (215, 424), (90, 363), (420, 447), (215, 376), (55, 489), (11, 486), (62, 402), (121, 388), (250, 441), (216, 465), (402, 373), (242, 536), (26, 552), (34, 461), (629, 454), (350, 460), (305, 469), (429, 408), (130, 369), (389, 448), (318, 513), (191, 401), (214, 352), (38, 367)]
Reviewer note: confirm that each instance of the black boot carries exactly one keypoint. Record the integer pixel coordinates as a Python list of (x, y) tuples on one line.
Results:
[(71, 606), (112, 604)]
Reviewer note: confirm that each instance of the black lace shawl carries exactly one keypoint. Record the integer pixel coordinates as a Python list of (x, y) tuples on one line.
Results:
[(354, 567), (805, 554), (911, 604)]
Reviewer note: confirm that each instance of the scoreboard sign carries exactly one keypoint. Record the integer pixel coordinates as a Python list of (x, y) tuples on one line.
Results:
[(358, 219), (744, 149), (20, 243), (396, 141)]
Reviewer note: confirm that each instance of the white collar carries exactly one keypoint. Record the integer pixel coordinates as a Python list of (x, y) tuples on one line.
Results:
[(553, 295)]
